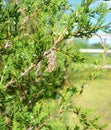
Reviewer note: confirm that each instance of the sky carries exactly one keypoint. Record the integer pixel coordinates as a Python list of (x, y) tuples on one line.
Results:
[(95, 39)]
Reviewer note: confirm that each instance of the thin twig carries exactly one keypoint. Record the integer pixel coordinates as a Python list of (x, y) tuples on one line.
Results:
[(27, 70), (35, 64), (22, 74), (59, 38), (9, 83)]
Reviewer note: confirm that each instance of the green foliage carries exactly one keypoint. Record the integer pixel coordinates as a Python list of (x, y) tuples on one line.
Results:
[(35, 89)]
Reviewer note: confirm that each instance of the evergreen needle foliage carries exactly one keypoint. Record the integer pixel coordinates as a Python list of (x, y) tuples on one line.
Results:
[(35, 91)]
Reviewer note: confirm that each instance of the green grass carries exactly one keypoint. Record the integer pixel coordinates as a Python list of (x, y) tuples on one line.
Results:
[(98, 97)]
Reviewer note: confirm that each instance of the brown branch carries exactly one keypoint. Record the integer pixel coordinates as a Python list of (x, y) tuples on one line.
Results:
[(35, 64), (59, 38), (9, 83), (23, 74), (27, 70)]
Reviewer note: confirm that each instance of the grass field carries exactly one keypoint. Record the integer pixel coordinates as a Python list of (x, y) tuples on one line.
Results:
[(97, 96)]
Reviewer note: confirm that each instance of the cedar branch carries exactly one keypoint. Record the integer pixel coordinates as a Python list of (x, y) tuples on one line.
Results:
[(35, 64)]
